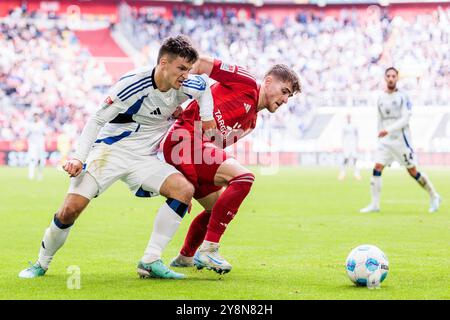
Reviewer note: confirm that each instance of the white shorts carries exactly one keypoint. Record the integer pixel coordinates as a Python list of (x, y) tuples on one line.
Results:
[(397, 150), (36, 153), (107, 164), (350, 152)]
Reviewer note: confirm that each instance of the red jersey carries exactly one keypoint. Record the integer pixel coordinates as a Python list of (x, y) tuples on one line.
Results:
[(235, 96)]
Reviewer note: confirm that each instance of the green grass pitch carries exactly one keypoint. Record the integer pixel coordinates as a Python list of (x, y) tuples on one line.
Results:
[(289, 240)]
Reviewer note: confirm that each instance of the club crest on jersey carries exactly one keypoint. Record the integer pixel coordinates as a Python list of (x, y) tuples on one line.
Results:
[(227, 67), (108, 101)]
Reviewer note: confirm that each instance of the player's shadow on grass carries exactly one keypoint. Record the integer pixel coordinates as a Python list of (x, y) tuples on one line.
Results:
[(134, 279), (355, 288)]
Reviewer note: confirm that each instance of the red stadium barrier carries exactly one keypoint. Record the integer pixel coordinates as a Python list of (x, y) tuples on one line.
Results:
[(103, 47), (99, 7), (275, 11)]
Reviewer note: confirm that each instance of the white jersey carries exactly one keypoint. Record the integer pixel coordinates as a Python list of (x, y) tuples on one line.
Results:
[(136, 114), (394, 112), (349, 136), (36, 135)]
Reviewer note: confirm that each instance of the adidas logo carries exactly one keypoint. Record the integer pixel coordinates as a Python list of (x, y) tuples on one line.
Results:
[(247, 107), (156, 112)]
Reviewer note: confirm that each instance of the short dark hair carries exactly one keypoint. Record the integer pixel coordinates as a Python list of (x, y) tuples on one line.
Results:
[(285, 74), (390, 68), (179, 46)]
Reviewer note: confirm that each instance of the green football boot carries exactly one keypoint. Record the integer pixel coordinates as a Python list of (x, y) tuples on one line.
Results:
[(34, 271), (157, 269)]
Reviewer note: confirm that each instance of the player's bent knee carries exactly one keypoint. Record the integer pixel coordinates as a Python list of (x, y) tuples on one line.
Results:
[(246, 179), (415, 174), (68, 214), (186, 191), (177, 187), (229, 170), (378, 167), (72, 208), (377, 170), (412, 172)]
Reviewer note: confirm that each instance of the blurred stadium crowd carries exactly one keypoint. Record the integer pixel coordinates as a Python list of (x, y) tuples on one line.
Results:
[(44, 70), (341, 60), (332, 54)]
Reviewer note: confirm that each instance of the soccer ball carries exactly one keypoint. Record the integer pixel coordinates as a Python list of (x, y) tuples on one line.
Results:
[(367, 266)]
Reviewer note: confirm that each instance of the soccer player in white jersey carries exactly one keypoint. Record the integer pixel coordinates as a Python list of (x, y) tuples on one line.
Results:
[(394, 112), (36, 147), (350, 148), (120, 142)]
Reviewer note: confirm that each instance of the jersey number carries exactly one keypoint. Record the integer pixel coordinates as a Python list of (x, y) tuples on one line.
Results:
[(406, 157)]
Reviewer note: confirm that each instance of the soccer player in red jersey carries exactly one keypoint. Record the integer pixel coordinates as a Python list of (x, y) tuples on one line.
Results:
[(237, 100)]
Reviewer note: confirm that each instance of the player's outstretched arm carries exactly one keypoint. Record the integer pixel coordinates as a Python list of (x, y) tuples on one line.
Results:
[(197, 87), (110, 108), (204, 65), (206, 104), (92, 128)]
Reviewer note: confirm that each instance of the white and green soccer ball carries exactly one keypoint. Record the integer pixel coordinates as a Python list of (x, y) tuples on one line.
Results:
[(367, 265)]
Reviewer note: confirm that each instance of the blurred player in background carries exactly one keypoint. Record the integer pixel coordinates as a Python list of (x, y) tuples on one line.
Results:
[(221, 182), (64, 146), (350, 148), (394, 144), (120, 141), (36, 147)]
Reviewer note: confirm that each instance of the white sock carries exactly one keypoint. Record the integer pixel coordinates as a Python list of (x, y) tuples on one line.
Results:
[(425, 183), (355, 167), (343, 167), (40, 174), (208, 245), (166, 224), (185, 258), (31, 167), (375, 190), (54, 238)]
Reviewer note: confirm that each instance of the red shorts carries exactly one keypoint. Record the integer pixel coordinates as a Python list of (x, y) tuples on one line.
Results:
[(198, 161)]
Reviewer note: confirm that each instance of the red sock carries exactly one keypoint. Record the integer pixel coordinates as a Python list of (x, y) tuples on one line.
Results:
[(227, 205), (196, 234)]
